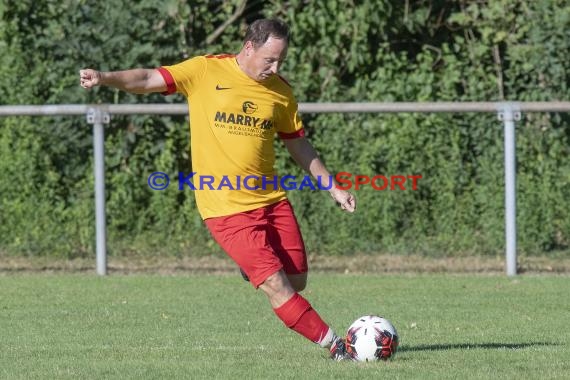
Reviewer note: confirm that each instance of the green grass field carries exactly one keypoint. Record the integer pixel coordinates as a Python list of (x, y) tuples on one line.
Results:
[(204, 326)]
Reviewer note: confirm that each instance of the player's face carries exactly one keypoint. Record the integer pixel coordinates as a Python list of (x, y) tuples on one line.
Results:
[(267, 58)]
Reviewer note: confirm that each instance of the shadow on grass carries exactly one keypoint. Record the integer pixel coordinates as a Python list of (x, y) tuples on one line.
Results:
[(469, 346)]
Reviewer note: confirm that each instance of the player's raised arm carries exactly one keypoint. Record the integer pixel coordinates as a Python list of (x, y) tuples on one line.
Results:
[(136, 81)]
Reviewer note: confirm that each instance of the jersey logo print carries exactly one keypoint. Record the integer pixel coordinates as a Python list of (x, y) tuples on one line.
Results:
[(249, 107), (218, 87)]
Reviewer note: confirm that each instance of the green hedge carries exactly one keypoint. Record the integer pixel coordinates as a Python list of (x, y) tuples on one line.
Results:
[(341, 51)]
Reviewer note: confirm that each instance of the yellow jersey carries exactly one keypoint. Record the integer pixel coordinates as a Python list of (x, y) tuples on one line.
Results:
[(233, 122)]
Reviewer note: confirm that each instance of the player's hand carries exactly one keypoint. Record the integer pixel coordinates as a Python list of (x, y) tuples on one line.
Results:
[(89, 78), (345, 200)]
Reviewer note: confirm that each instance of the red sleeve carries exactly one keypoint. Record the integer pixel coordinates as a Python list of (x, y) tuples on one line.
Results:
[(170, 84), (294, 135)]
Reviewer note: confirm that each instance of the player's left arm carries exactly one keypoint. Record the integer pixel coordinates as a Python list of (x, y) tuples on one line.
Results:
[(305, 155)]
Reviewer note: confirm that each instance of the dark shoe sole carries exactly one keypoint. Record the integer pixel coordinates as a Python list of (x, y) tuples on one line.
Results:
[(243, 275)]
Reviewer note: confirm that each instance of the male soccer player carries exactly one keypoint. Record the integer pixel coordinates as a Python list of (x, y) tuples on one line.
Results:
[(238, 103)]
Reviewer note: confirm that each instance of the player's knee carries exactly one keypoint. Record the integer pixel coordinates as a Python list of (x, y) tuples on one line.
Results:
[(276, 283)]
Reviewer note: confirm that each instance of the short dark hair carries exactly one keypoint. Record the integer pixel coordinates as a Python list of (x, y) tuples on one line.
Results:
[(260, 31)]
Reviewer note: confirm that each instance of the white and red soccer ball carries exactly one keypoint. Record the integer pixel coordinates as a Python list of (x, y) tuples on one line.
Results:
[(371, 338)]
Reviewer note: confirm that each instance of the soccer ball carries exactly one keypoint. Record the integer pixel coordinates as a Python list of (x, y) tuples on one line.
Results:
[(371, 338)]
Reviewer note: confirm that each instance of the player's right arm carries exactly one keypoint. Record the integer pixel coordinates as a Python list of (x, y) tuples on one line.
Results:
[(136, 81)]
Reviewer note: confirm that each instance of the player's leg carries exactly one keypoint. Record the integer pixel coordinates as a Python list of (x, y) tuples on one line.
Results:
[(297, 313), (298, 281), (285, 237), (245, 239), (277, 288)]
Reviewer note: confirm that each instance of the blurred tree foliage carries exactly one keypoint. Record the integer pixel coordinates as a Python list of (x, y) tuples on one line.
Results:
[(342, 50)]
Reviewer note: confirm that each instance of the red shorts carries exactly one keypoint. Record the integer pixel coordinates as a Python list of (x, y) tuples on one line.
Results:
[(262, 241)]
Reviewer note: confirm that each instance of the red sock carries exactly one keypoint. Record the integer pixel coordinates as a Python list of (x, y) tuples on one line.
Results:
[(298, 315)]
